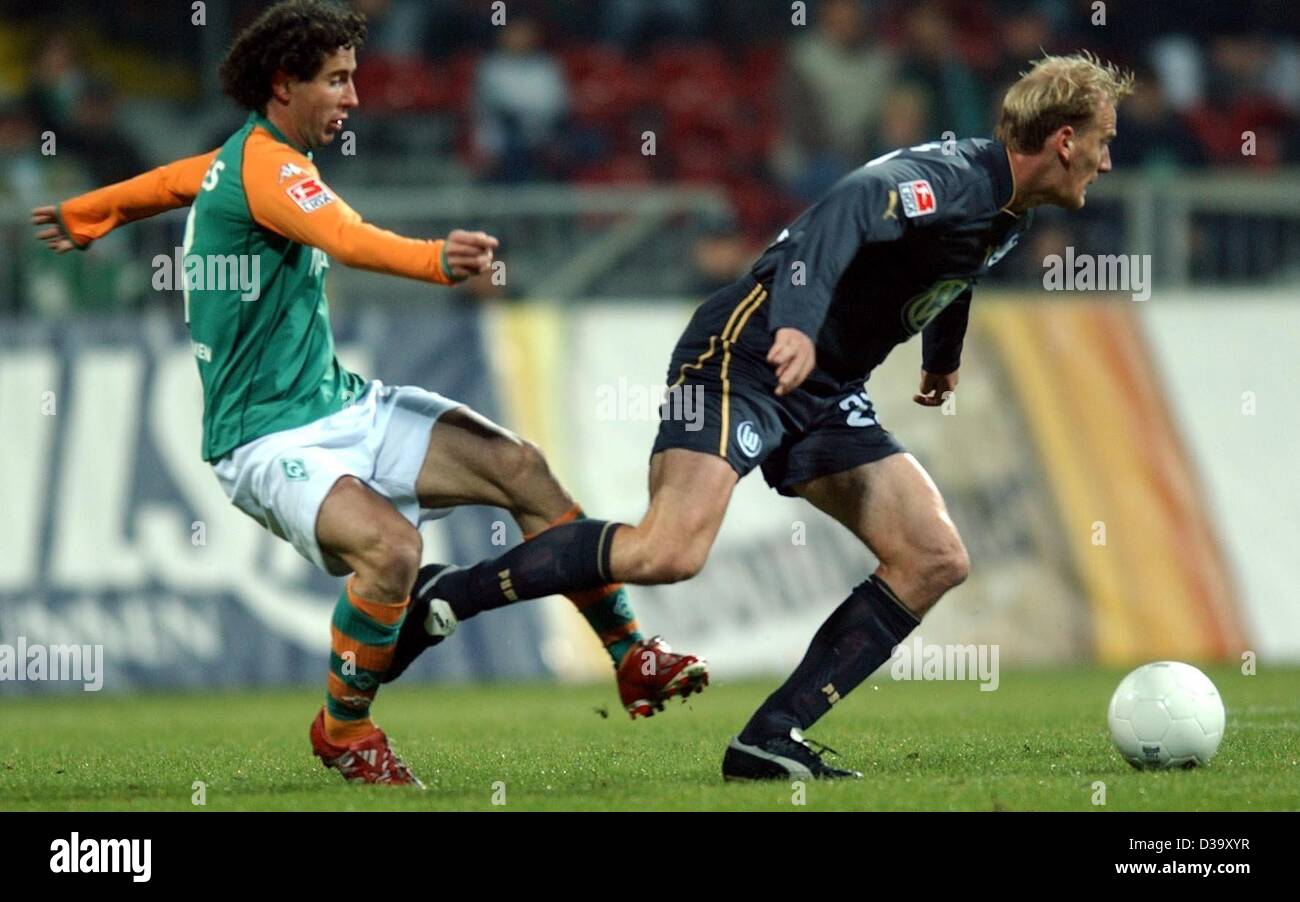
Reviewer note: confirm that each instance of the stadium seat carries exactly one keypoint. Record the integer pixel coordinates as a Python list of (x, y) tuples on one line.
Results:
[(401, 84)]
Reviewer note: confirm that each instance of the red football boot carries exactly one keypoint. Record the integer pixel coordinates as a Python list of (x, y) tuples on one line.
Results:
[(650, 673), (368, 760)]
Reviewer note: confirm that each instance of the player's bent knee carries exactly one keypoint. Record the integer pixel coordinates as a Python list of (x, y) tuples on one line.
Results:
[(519, 464), (393, 559), (676, 563), (530, 461), (948, 568)]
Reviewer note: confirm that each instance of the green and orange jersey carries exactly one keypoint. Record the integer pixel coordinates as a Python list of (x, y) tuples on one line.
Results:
[(266, 356)]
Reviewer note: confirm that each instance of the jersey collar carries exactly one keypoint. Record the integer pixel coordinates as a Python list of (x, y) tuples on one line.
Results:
[(997, 163), (258, 119)]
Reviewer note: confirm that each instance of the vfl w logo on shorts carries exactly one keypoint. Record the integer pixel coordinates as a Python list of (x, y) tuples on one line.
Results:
[(294, 469), (748, 439)]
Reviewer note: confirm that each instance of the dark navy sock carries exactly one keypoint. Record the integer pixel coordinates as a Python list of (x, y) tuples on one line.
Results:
[(561, 560), (855, 640)]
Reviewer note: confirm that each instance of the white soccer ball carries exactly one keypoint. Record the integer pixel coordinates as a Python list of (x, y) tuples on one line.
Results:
[(1166, 714)]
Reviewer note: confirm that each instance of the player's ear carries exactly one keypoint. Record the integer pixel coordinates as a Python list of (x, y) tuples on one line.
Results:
[(280, 86), (1063, 142)]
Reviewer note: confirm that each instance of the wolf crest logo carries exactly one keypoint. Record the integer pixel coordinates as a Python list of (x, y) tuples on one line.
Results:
[(918, 311), (748, 439)]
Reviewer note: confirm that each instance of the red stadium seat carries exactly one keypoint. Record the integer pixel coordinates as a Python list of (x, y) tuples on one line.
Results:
[(460, 72), (400, 84), (701, 162), (758, 73), (604, 86), (697, 61), (624, 169), (761, 209)]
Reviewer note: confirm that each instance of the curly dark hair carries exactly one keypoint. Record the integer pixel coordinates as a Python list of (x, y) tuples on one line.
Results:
[(295, 37)]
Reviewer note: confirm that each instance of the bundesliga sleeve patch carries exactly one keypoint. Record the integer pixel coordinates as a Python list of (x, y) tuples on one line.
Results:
[(310, 194), (917, 198)]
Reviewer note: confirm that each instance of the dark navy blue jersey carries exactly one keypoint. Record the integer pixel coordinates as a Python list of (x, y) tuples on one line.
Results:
[(893, 249)]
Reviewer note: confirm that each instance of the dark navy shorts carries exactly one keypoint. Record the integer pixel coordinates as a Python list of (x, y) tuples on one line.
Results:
[(721, 400)]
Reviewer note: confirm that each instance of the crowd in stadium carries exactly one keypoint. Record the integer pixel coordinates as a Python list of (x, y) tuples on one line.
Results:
[(772, 100)]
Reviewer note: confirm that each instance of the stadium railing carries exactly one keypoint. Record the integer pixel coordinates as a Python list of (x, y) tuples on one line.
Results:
[(562, 242)]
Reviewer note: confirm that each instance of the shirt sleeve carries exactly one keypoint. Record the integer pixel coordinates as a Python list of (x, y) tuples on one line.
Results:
[(943, 337), (823, 242), (93, 215), (287, 195)]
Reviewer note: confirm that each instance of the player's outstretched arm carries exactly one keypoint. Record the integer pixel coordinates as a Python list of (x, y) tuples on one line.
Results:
[(77, 222), (468, 254), (302, 208), (46, 219)]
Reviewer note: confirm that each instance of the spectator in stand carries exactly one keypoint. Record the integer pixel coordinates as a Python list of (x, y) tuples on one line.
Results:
[(521, 101), (637, 25), (97, 139), (397, 28), (721, 255), (34, 280), (57, 81), (1025, 34), (956, 102), (833, 90), (905, 120), (21, 176), (1237, 101), (1152, 134)]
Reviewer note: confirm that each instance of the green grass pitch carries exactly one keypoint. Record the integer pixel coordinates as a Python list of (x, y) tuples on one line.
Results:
[(1037, 743)]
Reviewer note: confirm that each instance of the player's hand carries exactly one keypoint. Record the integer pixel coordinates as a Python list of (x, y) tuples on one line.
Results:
[(794, 356), (933, 387), (469, 253), (53, 235)]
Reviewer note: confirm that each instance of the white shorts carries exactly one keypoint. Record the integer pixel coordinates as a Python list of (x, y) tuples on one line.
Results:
[(281, 479)]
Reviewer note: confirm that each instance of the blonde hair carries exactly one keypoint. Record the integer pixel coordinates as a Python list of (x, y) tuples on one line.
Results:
[(1055, 92)]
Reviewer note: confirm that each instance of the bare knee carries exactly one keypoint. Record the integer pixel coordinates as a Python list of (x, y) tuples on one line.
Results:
[(677, 563), (944, 568), (519, 465), (390, 560), (659, 561), (923, 575)]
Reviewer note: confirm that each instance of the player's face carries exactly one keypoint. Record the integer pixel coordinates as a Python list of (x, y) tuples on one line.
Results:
[(1090, 156), (319, 107)]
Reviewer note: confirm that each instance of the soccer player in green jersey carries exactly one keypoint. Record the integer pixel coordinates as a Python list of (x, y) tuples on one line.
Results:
[(343, 468)]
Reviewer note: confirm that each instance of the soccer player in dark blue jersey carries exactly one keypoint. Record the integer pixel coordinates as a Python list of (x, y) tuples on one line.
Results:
[(783, 356)]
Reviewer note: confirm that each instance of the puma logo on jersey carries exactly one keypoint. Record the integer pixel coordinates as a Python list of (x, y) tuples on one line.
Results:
[(310, 194), (892, 213)]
